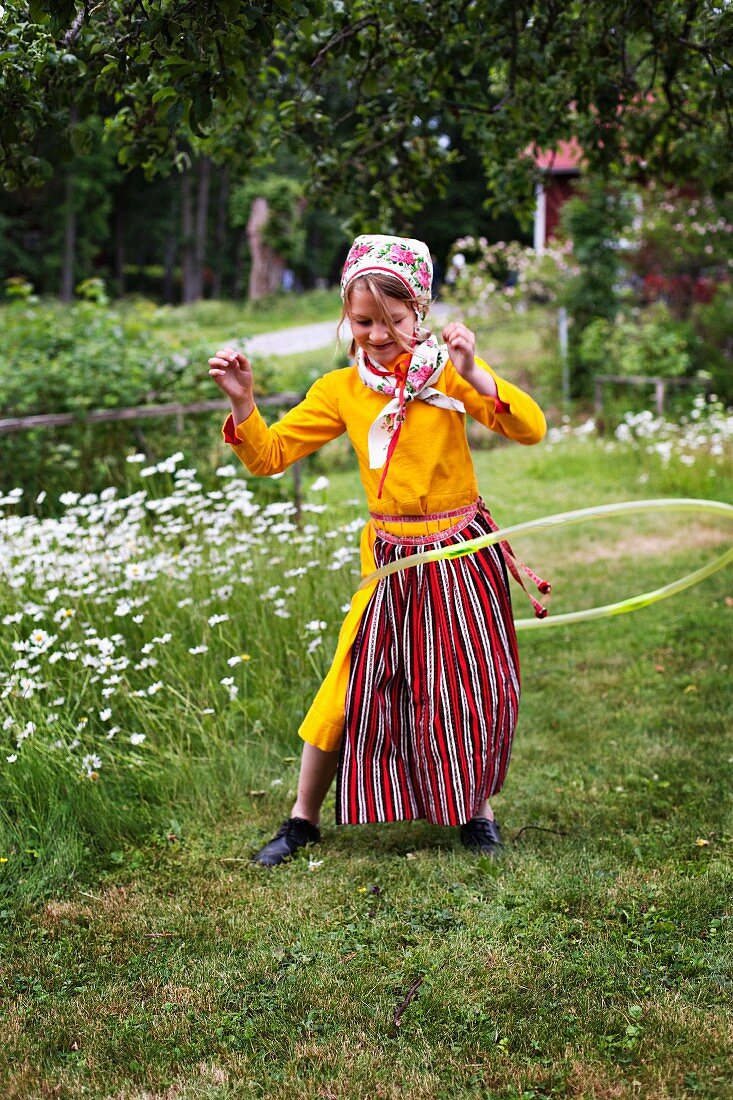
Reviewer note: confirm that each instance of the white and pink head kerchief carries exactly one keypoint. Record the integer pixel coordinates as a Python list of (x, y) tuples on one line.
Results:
[(403, 258), (411, 378)]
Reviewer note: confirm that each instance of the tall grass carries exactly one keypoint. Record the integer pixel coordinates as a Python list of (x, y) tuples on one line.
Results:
[(150, 641)]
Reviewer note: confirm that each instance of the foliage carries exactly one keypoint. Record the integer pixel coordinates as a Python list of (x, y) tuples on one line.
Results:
[(648, 342), (646, 283), (680, 245), (579, 272), (654, 285), (88, 356), (132, 353), (19, 289), (36, 221), (713, 323), (356, 89), (595, 220), (136, 247), (156, 75)]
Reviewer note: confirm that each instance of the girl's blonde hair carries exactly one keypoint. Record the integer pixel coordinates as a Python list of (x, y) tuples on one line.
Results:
[(384, 287)]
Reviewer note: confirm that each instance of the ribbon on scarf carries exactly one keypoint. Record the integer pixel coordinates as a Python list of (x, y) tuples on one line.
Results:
[(410, 379)]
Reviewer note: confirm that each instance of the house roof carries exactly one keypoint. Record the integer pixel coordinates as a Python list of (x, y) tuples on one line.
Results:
[(567, 157)]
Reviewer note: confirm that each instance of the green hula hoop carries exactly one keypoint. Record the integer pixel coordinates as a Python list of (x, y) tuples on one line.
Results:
[(568, 519)]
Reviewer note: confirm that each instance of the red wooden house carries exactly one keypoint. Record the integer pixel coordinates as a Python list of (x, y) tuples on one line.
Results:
[(560, 167)]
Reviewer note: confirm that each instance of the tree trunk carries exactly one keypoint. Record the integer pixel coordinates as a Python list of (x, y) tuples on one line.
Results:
[(220, 231), (188, 266), (170, 251), (119, 248), (265, 275), (202, 221), (169, 262), (66, 290), (239, 264)]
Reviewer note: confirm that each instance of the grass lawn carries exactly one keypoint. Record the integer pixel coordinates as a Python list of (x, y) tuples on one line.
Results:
[(593, 960)]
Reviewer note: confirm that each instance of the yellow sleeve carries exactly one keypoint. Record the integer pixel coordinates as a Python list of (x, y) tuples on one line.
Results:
[(302, 430), (513, 413)]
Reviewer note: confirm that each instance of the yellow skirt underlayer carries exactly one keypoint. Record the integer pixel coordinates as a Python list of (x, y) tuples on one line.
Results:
[(323, 725)]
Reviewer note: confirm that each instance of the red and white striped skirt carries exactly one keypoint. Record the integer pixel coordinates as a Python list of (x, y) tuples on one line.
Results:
[(434, 687)]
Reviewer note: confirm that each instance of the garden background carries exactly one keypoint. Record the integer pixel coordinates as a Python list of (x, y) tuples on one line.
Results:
[(166, 618)]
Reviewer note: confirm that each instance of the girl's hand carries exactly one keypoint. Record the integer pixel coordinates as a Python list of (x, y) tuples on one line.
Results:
[(462, 348), (232, 372)]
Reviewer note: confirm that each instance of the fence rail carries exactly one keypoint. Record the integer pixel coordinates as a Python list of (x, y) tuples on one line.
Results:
[(136, 412), (15, 424)]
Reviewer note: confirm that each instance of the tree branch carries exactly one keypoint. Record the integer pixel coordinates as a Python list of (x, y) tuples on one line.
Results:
[(729, 123), (409, 998), (342, 36), (367, 64), (75, 29), (474, 107)]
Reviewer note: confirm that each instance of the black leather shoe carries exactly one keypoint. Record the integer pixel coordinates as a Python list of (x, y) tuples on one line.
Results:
[(294, 833), (482, 836)]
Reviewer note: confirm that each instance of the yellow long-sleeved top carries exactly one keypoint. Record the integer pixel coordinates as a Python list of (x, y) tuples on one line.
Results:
[(431, 471)]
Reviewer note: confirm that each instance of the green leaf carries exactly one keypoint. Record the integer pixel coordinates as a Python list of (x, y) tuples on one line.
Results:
[(163, 94), (37, 11)]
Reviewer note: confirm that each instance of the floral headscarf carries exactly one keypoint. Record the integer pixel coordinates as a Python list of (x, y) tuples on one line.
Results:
[(401, 257)]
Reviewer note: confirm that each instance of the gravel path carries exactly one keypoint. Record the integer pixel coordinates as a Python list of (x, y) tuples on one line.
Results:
[(311, 337)]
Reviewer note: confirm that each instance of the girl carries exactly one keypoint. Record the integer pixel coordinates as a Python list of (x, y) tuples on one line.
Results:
[(418, 710)]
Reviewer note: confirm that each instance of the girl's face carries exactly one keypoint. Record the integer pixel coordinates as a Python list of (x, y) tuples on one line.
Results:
[(369, 328)]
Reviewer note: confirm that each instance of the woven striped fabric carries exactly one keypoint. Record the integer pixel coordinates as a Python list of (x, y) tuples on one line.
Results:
[(434, 689)]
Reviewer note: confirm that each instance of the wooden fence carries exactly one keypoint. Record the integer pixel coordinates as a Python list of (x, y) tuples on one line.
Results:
[(136, 412), (15, 424), (660, 389)]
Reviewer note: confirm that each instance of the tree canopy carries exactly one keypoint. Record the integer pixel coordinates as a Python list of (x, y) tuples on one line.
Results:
[(367, 92)]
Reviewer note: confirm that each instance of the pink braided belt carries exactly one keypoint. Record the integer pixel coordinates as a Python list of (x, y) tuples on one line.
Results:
[(463, 517)]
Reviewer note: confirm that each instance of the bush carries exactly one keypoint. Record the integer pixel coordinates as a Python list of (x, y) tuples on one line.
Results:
[(648, 342), (713, 324), (71, 358), (57, 358), (654, 342), (491, 280), (680, 246)]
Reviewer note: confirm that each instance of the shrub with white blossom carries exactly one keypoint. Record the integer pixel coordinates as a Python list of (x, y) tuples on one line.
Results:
[(705, 433), (498, 278)]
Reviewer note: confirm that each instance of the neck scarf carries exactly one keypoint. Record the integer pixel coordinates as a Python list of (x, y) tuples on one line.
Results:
[(409, 378)]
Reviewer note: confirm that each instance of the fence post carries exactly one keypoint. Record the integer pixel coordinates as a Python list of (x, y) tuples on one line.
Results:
[(562, 329), (659, 390), (297, 494), (598, 396)]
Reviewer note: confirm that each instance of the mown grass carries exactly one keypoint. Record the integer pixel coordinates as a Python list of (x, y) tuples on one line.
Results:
[(593, 960)]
